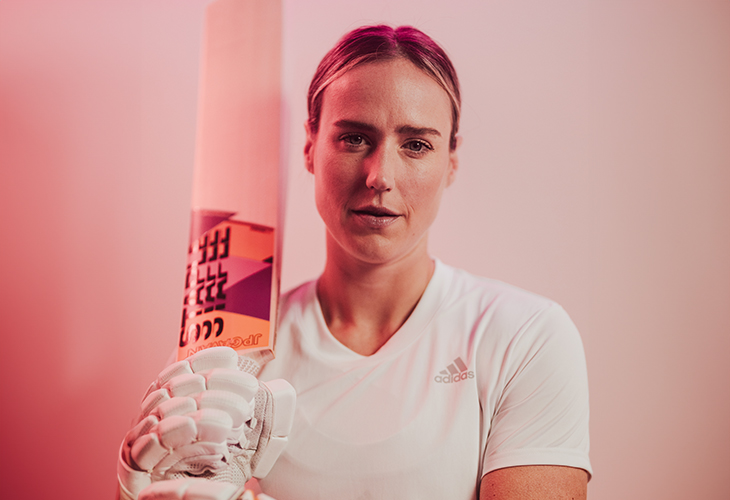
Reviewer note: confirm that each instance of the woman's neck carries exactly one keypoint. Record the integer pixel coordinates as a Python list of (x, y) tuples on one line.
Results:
[(365, 304)]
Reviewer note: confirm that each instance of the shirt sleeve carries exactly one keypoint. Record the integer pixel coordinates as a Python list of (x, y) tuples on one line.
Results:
[(538, 412)]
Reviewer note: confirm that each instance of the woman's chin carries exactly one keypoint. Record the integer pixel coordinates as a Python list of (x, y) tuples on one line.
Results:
[(377, 250)]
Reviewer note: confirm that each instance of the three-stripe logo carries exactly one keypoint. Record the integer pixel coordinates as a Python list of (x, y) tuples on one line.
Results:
[(455, 372)]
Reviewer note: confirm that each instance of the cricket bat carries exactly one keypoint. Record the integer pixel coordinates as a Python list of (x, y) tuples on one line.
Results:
[(234, 253)]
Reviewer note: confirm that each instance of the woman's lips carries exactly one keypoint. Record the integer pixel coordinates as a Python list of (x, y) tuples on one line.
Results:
[(375, 217)]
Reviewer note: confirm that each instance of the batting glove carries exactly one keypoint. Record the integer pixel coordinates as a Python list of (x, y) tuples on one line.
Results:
[(197, 489), (204, 417)]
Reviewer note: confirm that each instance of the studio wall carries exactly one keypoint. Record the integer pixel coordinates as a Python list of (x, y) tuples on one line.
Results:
[(595, 170)]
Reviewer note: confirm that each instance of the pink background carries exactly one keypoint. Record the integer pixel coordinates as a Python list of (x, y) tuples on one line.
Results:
[(595, 170)]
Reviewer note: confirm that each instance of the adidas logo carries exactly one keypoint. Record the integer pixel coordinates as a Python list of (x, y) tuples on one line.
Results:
[(455, 372)]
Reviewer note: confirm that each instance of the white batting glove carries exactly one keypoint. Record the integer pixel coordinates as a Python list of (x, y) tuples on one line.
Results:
[(197, 489), (204, 417), (191, 489)]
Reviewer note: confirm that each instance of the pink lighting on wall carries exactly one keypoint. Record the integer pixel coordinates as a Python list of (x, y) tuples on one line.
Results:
[(594, 170)]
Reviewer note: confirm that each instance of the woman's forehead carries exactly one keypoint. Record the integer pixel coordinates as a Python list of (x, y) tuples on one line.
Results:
[(395, 89)]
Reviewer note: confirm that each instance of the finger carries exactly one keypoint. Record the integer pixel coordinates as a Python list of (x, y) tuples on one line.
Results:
[(173, 489), (174, 370), (238, 408), (212, 490), (213, 425), (190, 489), (175, 406), (215, 357), (243, 384), (185, 385), (150, 389), (177, 431), (147, 451), (153, 400), (142, 428)]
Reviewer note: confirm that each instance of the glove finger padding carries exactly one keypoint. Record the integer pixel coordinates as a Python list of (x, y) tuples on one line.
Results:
[(191, 489), (204, 417), (198, 489)]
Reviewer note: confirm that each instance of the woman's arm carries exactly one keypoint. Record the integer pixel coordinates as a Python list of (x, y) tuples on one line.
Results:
[(535, 482)]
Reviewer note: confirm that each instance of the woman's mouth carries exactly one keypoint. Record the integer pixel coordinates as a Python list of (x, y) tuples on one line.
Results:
[(375, 217)]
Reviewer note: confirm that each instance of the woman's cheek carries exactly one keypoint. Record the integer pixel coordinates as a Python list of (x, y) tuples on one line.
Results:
[(330, 191)]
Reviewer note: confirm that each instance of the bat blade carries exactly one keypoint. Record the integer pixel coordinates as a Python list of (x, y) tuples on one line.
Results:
[(232, 278)]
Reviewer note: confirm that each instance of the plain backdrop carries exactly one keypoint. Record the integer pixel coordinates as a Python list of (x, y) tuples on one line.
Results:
[(595, 170)]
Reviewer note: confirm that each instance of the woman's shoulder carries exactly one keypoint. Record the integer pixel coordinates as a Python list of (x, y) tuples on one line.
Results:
[(464, 285), (506, 307), (503, 314)]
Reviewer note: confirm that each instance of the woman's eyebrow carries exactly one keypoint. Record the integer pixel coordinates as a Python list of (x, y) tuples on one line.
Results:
[(410, 130), (404, 129), (354, 124)]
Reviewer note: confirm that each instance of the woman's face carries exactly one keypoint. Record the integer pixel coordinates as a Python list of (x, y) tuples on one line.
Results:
[(381, 160)]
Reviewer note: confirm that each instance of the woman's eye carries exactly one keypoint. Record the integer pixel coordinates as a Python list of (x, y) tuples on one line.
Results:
[(418, 146), (354, 140)]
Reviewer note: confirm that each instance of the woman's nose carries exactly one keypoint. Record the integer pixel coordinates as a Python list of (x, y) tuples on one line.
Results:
[(380, 170)]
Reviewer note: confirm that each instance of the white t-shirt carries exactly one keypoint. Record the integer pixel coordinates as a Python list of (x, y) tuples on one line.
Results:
[(481, 376)]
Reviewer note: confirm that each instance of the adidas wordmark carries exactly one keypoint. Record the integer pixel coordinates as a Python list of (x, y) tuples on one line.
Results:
[(455, 372)]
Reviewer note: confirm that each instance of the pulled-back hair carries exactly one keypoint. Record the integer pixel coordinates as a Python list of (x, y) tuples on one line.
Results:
[(381, 43)]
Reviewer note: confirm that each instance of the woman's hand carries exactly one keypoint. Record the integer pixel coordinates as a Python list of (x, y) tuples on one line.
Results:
[(204, 416), (198, 489)]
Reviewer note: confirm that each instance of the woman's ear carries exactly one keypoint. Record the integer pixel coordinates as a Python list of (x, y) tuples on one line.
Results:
[(309, 148), (453, 162)]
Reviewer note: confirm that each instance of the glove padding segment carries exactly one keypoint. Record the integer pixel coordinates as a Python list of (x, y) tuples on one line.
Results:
[(204, 417), (197, 489)]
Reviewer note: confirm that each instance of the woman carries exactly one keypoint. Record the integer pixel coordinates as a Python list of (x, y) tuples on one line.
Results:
[(414, 380)]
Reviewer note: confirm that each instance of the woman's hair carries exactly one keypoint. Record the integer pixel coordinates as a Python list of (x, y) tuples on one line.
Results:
[(381, 43)]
